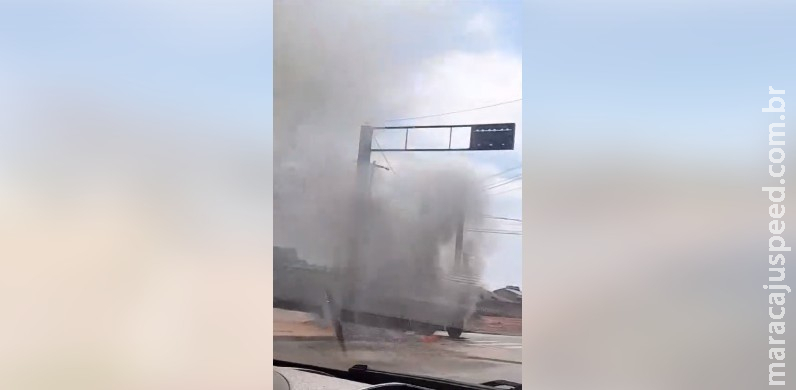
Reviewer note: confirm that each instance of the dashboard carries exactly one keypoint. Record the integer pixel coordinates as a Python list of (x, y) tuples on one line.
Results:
[(300, 379), (286, 378), (296, 376)]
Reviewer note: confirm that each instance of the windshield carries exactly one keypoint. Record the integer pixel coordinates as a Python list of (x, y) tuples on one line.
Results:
[(397, 187)]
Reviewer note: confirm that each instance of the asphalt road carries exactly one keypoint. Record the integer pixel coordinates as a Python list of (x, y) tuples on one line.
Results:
[(474, 358)]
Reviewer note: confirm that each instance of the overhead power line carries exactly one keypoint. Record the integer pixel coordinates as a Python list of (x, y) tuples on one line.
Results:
[(454, 112), (502, 218), (496, 231), (502, 172), (501, 184), (505, 191)]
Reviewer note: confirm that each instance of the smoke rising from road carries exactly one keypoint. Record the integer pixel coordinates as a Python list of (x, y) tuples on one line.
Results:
[(337, 67)]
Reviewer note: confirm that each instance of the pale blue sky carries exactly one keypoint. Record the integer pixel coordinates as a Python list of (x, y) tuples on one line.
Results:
[(193, 59), (680, 79)]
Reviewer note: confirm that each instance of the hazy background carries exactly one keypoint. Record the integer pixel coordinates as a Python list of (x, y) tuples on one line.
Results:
[(646, 229), (135, 194)]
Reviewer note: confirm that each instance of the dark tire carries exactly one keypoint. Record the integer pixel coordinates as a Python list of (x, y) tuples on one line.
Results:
[(454, 333)]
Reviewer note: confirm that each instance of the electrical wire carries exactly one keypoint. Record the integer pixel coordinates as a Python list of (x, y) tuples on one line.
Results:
[(505, 191), (501, 184), (501, 173), (453, 112), (502, 218), (495, 231)]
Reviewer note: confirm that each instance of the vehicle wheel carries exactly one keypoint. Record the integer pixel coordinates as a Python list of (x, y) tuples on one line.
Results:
[(454, 333)]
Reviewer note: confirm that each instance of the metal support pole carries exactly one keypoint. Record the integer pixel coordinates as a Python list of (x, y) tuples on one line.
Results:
[(353, 267), (363, 159), (370, 179), (459, 245)]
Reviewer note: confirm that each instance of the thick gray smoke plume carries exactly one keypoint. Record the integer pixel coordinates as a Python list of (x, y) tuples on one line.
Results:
[(337, 66)]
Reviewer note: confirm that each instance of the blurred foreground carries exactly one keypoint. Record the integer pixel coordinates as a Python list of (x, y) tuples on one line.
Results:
[(474, 358)]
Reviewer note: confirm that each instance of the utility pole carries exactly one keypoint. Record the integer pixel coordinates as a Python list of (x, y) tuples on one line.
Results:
[(459, 244), (353, 266), (363, 159)]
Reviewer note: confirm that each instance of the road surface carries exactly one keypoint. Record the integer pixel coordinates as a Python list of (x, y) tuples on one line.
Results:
[(474, 358)]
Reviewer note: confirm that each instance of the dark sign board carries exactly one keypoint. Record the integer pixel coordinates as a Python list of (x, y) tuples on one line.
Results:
[(492, 137)]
